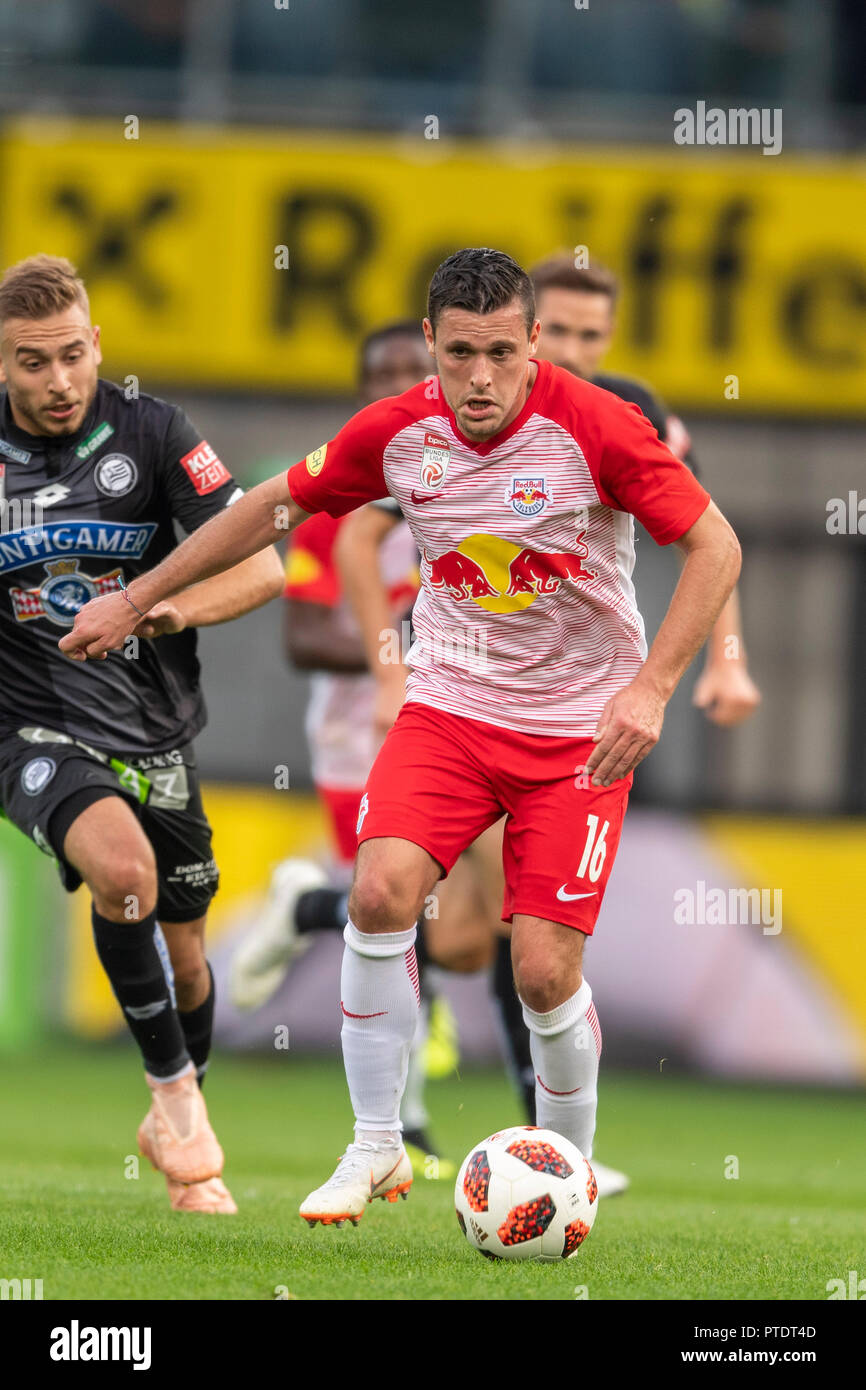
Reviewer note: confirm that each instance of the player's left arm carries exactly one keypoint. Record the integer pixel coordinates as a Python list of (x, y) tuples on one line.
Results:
[(631, 722), (198, 486), (635, 472), (351, 476), (219, 599), (261, 517)]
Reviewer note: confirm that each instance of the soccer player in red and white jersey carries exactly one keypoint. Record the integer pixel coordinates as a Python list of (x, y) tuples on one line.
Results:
[(531, 690)]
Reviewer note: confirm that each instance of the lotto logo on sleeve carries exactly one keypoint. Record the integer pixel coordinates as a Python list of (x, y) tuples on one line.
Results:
[(205, 469)]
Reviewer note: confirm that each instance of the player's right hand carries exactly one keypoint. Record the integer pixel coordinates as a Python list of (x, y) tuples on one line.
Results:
[(628, 729), (100, 627)]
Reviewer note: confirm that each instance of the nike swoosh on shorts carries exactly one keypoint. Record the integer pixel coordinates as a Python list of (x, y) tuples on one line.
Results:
[(571, 897)]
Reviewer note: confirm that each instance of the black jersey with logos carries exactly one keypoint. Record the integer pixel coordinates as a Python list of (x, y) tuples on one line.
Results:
[(80, 513)]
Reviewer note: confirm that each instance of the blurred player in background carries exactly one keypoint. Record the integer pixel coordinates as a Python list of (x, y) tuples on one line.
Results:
[(322, 636), (96, 762)]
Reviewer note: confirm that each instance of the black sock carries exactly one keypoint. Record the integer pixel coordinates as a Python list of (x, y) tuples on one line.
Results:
[(197, 1025), (514, 1032), (321, 909), (132, 962)]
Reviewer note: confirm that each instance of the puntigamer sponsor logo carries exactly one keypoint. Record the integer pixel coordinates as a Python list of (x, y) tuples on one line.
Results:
[(67, 538)]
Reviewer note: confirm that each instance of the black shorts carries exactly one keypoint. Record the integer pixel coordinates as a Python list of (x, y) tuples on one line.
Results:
[(48, 778)]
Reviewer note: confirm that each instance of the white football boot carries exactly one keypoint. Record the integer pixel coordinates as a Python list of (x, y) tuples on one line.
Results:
[(610, 1181), (365, 1171), (265, 954)]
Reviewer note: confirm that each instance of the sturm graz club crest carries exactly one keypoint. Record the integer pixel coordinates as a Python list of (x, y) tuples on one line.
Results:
[(115, 475), (37, 774), (60, 597)]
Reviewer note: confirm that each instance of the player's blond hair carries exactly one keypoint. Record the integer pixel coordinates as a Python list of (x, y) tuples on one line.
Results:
[(40, 286)]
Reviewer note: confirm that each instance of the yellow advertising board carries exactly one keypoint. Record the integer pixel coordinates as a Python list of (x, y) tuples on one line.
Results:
[(259, 259)]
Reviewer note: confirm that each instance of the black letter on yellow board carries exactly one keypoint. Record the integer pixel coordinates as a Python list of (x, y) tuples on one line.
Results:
[(331, 282), (726, 272), (115, 238), (844, 285), (647, 262)]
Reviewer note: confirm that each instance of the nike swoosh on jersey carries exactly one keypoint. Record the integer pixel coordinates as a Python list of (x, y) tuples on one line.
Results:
[(571, 897), (348, 1015), (419, 498)]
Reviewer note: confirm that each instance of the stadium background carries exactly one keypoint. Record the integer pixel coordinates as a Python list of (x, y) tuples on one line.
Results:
[(172, 152)]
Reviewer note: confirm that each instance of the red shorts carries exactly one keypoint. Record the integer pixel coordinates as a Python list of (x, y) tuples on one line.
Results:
[(342, 804), (441, 779)]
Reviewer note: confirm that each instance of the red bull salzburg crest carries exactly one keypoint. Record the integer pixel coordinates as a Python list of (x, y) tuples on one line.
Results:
[(528, 496), (434, 459)]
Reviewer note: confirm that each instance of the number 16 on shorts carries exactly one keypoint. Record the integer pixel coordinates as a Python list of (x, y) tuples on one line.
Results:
[(591, 860)]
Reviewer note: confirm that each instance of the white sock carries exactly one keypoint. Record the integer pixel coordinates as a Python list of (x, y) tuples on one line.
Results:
[(379, 997), (413, 1111), (566, 1046)]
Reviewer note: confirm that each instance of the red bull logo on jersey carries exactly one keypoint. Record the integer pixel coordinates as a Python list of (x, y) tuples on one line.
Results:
[(542, 571), (435, 458), (462, 576), (502, 577), (528, 496)]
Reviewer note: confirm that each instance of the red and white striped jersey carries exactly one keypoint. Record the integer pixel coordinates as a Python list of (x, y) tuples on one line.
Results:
[(527, 617)]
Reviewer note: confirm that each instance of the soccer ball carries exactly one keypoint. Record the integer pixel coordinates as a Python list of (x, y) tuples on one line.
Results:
[(526, 1194)]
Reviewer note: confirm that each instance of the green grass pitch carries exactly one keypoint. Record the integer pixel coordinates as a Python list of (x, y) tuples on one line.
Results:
[(793, 1219)]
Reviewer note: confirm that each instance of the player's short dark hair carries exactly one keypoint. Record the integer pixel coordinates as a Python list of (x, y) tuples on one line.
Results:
[(480, 280), (398, 328), (41, 286), (560, 273)]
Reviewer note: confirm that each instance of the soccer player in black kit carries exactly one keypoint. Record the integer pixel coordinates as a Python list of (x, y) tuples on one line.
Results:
[(96, 763)]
